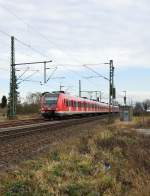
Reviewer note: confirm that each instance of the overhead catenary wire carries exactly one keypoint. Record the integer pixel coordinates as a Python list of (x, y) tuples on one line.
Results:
[(23, 73), (29, 76), (77, 73), (29, 46), (51, 74), (23, 43), (35, 30), (5, 33), (42, 35), (98, 74)]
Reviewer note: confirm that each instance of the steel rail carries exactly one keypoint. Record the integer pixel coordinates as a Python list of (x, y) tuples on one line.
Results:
[(17, 131), (14, 123)]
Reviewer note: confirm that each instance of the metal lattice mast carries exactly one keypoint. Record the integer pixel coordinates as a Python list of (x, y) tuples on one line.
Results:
[(111, 85), (13, 85)]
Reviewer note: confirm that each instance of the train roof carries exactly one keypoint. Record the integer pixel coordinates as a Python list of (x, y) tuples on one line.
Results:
[(66, 95)]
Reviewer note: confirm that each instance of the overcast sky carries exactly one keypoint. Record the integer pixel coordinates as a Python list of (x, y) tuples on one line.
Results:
[(73, 33)]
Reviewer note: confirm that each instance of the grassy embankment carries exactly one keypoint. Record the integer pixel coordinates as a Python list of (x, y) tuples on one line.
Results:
[(3, 114), (106, 161)]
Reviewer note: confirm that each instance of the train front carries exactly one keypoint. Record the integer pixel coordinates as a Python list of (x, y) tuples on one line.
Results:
[(49, 104)]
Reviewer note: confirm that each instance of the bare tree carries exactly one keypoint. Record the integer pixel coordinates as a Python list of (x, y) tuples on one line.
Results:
[(146, 104), (138, 109), (33, 98)]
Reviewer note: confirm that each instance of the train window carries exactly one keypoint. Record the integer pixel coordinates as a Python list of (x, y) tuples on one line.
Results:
[(86, 104), (76, 104), (79, 104), (90, 106), (66, 102), (51, 100), (82, 104), (72, 103)]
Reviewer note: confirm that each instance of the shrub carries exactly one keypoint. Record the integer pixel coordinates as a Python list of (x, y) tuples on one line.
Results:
[(18, 189)]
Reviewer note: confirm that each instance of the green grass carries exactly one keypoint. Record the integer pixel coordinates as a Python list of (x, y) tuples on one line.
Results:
[(77, 167)]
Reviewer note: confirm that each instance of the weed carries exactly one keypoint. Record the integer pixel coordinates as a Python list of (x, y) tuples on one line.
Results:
[(18, 189), (58, 170), (83, 146), (55, 156), (84, 169), (78, 167), (77, 189)]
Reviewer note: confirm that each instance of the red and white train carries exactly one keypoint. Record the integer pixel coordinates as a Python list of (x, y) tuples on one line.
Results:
[(59, 104)]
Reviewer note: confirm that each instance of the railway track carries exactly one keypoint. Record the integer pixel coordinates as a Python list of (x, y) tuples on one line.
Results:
[(20, 130), (14, 123)]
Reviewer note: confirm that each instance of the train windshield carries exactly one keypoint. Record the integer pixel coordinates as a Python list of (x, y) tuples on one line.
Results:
[(51, 101)]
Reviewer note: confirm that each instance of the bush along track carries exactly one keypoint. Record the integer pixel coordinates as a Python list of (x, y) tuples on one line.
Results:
[(105, 161)]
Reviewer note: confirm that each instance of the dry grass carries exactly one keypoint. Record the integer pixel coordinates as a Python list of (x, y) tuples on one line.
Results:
[(3, 117), (106, 161), (3, 114)]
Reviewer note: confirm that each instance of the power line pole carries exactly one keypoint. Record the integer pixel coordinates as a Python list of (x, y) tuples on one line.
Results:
[(111, 85), (60, 88), (79, 88), (13, 85), (37, 62), (12, 105), (125, 97), (100, 96), (44, 72)]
